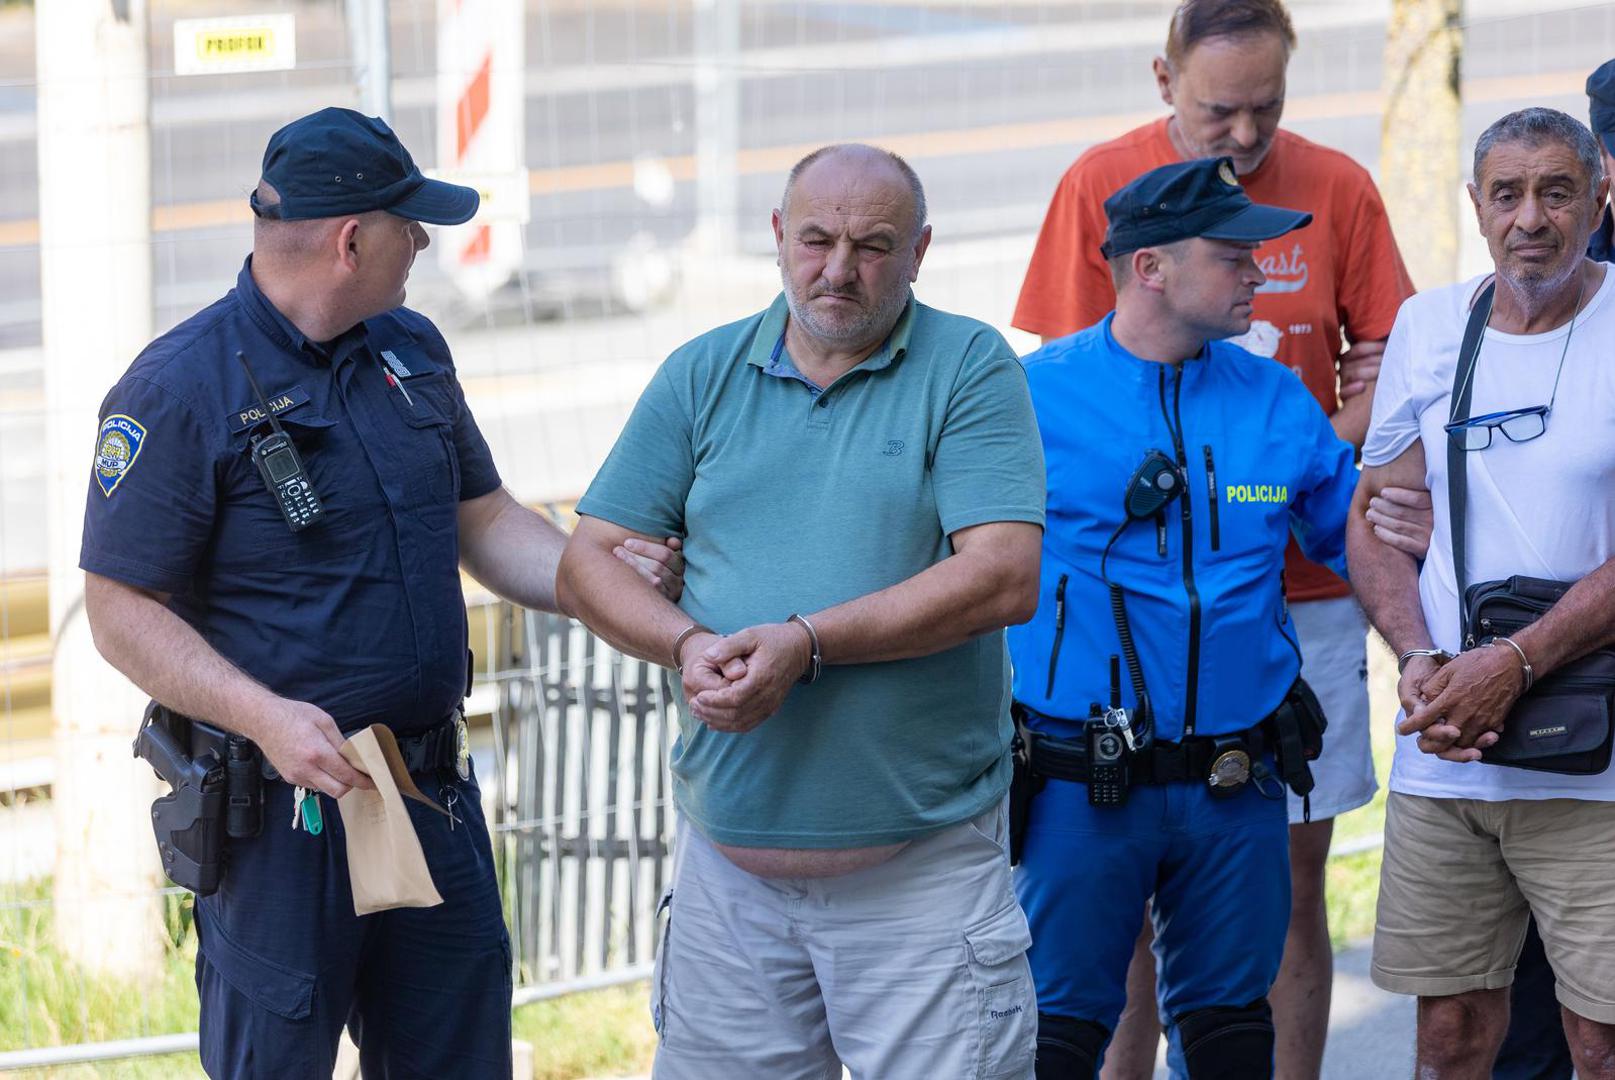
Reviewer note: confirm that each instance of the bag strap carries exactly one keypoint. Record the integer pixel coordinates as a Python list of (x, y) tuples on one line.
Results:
[(1463, 389)]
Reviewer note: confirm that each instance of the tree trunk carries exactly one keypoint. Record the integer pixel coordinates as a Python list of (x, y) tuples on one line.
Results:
[(1420, 171)]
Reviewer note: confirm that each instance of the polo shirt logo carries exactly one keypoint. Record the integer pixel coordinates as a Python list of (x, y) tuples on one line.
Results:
[(116, 448), (893, 447)]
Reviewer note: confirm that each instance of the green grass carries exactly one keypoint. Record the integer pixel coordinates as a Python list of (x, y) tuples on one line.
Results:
[(46, 1000), (1353, 882), (604, 1033)]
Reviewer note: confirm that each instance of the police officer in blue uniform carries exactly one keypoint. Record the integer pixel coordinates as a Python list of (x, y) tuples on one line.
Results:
[(215, 588), (1178, 466)]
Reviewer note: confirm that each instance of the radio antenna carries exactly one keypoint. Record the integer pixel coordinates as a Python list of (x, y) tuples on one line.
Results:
[(274, 424)]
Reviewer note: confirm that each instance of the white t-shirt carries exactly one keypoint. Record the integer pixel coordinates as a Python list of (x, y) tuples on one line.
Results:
[(1544, 508)]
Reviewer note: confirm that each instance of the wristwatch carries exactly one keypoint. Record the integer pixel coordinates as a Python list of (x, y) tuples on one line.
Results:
[(1441, 657)]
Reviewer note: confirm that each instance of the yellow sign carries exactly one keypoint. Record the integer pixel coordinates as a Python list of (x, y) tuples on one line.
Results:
[(245, 43)]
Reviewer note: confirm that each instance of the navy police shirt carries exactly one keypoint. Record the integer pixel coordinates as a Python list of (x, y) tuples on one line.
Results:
[(361, 613)]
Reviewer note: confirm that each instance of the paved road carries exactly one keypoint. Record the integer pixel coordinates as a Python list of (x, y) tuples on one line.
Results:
[(1370, 1031)]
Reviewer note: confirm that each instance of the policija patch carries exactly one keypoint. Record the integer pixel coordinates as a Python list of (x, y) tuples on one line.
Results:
[(116, 448)]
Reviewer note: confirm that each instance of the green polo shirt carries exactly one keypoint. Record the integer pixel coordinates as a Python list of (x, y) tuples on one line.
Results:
[(792, 500)]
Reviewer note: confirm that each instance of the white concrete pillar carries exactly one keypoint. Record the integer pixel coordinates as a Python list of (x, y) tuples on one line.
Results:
[(96, 287)]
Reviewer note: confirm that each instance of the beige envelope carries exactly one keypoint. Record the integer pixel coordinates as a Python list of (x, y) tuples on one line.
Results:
[(385, 861)]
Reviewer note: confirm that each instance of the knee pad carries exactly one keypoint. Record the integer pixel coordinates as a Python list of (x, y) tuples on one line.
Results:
[(1228, 1042), (1068, 1048)]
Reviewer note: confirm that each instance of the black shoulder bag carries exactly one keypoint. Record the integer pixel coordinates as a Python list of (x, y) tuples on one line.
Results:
[(1562, 724)]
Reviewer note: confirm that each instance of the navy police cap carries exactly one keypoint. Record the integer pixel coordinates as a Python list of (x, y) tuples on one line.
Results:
[(336, 162), (1188, 199), (1601, 103)]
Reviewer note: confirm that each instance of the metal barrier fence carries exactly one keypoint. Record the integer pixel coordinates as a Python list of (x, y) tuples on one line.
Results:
[(581, 817)]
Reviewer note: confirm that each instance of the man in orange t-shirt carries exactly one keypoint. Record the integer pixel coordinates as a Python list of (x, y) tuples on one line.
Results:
[(1339, 279)]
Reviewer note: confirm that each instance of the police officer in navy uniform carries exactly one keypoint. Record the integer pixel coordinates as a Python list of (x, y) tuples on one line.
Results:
[(204, 595), (1178, 466)]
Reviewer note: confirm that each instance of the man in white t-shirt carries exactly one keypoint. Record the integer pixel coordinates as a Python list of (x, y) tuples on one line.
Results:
[(1472, 848)]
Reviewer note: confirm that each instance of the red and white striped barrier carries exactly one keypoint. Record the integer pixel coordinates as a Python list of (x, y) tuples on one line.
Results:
[(481, 137)]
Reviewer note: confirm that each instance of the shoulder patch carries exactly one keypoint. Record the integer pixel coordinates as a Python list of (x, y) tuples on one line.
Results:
[(116, 448)]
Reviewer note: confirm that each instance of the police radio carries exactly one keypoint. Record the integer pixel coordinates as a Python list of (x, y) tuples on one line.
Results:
[(1111, 745), (281, 467)]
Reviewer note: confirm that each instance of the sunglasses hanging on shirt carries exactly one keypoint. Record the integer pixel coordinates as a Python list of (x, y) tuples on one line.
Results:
[(1517, 425)]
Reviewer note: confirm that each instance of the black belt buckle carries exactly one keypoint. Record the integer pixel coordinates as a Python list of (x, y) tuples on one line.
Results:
[(1230, 766)]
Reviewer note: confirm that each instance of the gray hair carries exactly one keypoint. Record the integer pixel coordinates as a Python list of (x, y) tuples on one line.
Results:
[(916, 189), (1536, 126)]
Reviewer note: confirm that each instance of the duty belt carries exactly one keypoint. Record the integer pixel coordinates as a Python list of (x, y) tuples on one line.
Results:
[(442, 746), (1162, 762)]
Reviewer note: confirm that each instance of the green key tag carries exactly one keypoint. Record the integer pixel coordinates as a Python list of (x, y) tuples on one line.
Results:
[(313, 820)]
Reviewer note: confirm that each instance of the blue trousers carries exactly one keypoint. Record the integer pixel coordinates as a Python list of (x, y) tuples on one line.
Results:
[(284, 963), (1217, 868)]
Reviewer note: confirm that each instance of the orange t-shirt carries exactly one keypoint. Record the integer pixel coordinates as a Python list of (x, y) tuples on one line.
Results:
[(1340, 276)]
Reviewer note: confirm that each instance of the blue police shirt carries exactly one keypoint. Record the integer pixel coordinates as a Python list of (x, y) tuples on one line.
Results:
[(1203, 582), (361, 613)]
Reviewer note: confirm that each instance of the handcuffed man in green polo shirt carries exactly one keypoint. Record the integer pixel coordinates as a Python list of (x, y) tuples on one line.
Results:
[(859, 482)]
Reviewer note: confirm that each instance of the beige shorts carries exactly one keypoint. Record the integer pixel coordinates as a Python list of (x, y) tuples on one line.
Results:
[(1460, 876)]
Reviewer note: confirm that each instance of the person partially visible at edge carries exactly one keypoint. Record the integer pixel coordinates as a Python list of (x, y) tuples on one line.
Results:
[(859, 483), (200, 593), (1339, 280), (1601, 115), (1153, 397), (1472, 849)]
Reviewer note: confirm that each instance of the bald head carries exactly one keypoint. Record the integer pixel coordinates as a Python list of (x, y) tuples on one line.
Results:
[(853, 169)]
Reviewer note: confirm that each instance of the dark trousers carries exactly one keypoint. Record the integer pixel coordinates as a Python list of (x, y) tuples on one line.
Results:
[(284, 964), (1535, 1047)]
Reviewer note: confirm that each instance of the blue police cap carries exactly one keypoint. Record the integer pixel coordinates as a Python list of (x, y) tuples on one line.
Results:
[(1601, 103), (1189, 199), (337, 162)]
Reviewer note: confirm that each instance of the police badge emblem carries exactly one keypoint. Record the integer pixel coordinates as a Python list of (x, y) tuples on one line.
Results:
[(116, 448)]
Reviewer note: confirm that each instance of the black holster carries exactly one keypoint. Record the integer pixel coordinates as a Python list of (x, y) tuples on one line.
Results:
[(1024, 784), (1297, 728), (216, 790)]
